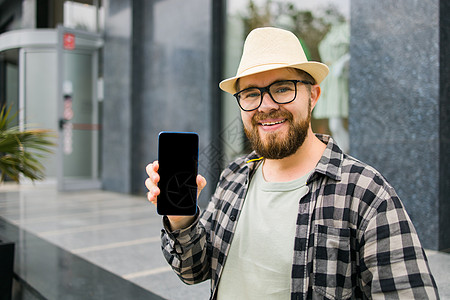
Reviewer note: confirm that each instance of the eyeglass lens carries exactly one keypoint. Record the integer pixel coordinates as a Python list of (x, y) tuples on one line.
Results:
[(281, 92)]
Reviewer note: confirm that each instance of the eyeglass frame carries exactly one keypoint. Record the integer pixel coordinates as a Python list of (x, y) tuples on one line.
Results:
[(267, 89)]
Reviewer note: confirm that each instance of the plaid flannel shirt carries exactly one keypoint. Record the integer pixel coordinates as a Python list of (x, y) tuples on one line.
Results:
[(354, 239)]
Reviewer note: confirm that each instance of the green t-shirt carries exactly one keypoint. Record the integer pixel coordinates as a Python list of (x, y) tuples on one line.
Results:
[(259, 264)]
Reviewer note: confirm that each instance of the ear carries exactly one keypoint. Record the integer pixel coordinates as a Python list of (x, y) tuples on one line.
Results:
[(315, 94)]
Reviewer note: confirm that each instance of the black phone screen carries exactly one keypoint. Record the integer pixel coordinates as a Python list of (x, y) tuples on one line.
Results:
[(178, 164)]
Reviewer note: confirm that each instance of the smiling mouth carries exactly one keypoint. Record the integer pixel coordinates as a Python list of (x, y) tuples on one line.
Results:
[(272, 123)]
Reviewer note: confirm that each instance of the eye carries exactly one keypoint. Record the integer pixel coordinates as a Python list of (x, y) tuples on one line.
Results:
[(284, 87), (250, 94), (282, 90)]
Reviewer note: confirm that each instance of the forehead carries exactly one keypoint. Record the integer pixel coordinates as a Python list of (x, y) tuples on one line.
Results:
[(265, 78)]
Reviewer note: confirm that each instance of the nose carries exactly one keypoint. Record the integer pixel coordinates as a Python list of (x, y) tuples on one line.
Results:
[(267, 103)]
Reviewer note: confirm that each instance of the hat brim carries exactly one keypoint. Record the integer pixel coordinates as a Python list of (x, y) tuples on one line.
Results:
[(316, 69)]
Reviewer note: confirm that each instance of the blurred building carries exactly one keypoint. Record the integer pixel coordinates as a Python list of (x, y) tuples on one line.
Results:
[(50, 66)]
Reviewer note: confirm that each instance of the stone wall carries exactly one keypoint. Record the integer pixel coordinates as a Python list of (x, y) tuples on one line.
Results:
[(397, 98), (157, 77)]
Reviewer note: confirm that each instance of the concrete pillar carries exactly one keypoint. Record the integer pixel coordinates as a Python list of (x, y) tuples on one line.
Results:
[(399, 104), (159, 73), (117, 117)]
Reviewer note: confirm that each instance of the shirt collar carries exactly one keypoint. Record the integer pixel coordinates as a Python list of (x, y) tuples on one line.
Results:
[(331, 161)]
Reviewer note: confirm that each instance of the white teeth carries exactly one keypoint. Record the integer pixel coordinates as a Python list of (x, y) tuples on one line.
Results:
[(272, 123)]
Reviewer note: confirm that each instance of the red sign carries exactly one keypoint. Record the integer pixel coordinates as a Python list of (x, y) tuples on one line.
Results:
[(69, 41)]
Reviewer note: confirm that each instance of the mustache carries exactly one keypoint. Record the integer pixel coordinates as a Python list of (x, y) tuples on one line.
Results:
[(274, 114)]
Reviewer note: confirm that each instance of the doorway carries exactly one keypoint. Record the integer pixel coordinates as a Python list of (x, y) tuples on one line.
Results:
[(78, 110), (52, 82)]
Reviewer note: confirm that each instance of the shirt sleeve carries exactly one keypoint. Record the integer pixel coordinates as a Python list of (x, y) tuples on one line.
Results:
[(186, 251), (392, 260)]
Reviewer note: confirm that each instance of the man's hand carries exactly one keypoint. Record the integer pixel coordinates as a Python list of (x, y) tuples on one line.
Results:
[(176, 222)]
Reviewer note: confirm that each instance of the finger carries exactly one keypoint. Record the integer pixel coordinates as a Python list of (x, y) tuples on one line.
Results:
[(155, 192), (201, 183), (154, 178), (149, 168), (152, 175), (152, 187), (152, 195), (150, 183), (152, 167)]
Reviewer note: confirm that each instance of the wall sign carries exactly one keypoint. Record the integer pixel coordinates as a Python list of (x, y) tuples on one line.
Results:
[(69, 41)]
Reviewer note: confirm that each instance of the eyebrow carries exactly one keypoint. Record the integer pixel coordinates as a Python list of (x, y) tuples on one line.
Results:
[(255, 86)]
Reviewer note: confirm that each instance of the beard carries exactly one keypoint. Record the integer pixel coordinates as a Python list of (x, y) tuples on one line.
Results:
[(276, 146)]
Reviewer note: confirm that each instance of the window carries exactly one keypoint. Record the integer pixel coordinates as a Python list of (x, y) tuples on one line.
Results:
[(84, 15), (323, 29)]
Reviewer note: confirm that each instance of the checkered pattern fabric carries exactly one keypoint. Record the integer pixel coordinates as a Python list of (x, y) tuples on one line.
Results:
[(354, 239)]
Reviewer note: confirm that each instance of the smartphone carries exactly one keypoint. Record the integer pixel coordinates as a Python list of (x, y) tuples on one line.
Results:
[(178, 166)]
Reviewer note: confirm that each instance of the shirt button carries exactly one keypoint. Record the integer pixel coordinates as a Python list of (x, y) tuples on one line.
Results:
[(233, 218)]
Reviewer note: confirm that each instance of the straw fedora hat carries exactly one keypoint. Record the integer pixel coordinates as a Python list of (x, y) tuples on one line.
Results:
[(270, 48)]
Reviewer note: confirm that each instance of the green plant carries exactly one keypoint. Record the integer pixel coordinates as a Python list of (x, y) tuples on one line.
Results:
[(20, 150)]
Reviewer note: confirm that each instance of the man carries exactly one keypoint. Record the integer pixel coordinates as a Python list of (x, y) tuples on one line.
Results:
[(296, 218)]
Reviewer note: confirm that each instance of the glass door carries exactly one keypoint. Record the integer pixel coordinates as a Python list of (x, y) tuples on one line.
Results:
[(78, 110)]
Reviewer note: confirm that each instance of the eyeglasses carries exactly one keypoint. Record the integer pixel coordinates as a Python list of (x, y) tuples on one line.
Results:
[(281, 92)]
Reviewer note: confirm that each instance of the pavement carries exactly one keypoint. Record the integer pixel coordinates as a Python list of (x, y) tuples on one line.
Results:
[(117, 234)]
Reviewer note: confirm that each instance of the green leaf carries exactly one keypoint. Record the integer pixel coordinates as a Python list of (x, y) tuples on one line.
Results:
[(20, 150)]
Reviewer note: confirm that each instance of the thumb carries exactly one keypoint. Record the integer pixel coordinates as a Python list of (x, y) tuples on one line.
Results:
[(201, 183)]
